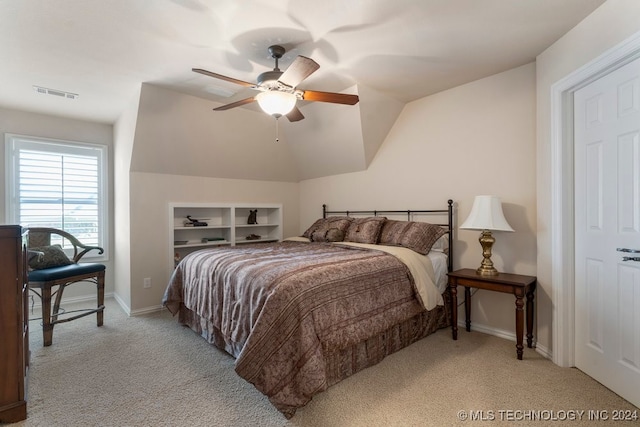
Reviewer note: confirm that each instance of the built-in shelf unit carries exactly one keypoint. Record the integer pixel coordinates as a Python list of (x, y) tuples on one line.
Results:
[(226, 225)]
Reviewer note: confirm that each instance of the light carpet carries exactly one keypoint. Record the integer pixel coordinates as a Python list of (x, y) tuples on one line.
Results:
[(150, 371)]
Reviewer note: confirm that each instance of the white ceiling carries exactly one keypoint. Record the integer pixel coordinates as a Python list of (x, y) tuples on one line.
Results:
[(104, 49)]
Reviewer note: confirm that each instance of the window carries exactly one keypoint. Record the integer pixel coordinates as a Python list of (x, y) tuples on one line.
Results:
[(59, 184)]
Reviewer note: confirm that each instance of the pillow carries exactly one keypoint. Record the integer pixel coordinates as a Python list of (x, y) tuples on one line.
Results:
[(324, 224), (330, 235), (52, 256), (392, 232), (417, 236), (442, 244), (309, 231), (365, 230), (420, 236)]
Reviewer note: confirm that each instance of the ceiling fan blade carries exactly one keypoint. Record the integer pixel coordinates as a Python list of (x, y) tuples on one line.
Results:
[(336, 98), (301, 68), (221, 77), (295, 115), (235, 104)]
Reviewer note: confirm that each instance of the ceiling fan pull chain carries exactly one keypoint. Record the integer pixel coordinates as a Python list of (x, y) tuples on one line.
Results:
[(277, 139)]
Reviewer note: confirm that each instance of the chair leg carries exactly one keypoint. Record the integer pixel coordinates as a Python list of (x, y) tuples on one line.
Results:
[(47, 327), (100, 312), (56, 304)]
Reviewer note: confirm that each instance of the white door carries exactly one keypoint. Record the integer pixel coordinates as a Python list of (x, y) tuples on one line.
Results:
[(607, 230)]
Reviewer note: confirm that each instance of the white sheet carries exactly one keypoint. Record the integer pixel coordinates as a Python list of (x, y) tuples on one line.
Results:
[(440, 268)]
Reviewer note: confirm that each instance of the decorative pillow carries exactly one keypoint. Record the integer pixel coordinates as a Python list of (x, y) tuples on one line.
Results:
[(420, 236), (334, 235), (417, 236), (392, 232), (330, 235), (365, 230), (52, 256), (324, 224), (309, 231)]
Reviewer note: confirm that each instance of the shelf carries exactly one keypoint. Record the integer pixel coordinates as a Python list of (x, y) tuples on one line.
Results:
[(256, 225), (200, 244), (240, 242), (227, 221), (208, 227)]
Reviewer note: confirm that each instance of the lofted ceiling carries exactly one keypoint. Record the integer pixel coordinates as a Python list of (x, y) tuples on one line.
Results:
[(405, 49)]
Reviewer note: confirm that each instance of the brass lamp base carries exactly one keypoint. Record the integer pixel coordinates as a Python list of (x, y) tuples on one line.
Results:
[(487, 271), (486, 267)]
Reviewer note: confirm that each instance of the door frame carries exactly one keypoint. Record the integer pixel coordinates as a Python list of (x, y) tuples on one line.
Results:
[(562, 192)]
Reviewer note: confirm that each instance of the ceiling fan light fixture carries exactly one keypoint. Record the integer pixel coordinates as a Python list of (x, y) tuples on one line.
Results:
[(276, 103)]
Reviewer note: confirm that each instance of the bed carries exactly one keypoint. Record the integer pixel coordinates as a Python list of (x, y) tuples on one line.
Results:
[(303, 314)]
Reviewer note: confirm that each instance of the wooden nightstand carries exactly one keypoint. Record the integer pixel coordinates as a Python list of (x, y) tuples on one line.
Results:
[(515, 284)]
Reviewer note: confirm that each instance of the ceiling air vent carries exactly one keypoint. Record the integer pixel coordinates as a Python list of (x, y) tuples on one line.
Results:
[(54, 92)]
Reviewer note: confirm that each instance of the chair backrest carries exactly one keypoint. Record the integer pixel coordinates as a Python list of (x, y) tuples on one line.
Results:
[(44, 236)]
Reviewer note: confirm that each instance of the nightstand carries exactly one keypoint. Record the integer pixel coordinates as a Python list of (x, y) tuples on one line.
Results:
[(515, 284)]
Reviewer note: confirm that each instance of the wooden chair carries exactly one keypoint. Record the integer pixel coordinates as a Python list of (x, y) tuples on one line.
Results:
[(61, 276)]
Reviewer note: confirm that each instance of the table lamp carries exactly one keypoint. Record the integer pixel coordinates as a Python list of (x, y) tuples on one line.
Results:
[(486, 215)]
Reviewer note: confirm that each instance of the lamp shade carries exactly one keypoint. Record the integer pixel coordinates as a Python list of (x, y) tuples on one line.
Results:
[(486, 214), (276, 103)]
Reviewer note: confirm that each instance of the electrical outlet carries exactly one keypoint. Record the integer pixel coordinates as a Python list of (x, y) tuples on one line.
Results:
[(147, 282)]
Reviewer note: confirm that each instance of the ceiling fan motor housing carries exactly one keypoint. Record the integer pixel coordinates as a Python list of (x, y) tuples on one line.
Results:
[(269, 79)]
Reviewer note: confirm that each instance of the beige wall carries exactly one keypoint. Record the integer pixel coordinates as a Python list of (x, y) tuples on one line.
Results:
[(124, 134), (150, 228), (179, 134), (477, 138), (609, 25), (33, 124)]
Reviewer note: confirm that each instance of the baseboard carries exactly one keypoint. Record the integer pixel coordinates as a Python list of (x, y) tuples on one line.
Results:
[(138, 312), (544, 351), (507, 335), (122, 305), (36, 304), (146, 310)]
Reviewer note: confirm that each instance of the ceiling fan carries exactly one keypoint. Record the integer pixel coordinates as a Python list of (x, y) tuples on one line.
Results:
[(278, 89)]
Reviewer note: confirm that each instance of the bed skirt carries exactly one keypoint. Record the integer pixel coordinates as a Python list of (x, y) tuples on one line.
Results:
[(344, 362)]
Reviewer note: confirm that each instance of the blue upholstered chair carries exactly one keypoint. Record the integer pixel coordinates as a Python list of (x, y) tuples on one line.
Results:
[(51, 271)]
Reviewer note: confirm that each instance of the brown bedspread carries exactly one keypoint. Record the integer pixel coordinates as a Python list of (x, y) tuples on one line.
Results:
[(278, 308)]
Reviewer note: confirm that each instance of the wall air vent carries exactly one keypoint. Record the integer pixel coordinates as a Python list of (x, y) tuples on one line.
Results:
[(54, 92)]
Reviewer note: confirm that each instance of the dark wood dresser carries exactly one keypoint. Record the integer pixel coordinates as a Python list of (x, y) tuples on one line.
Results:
[(14, 324)]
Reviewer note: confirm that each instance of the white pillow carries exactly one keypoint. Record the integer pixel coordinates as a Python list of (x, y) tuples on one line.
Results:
[(442, 244)]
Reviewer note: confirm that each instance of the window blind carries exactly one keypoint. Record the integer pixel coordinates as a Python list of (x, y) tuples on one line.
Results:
[(58, 184), (60, 191)]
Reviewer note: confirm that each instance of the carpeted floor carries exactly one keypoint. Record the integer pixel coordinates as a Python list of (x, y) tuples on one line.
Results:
[(150, 371)]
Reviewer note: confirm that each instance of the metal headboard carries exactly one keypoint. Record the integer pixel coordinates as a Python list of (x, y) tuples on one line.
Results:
[(409, 212)]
